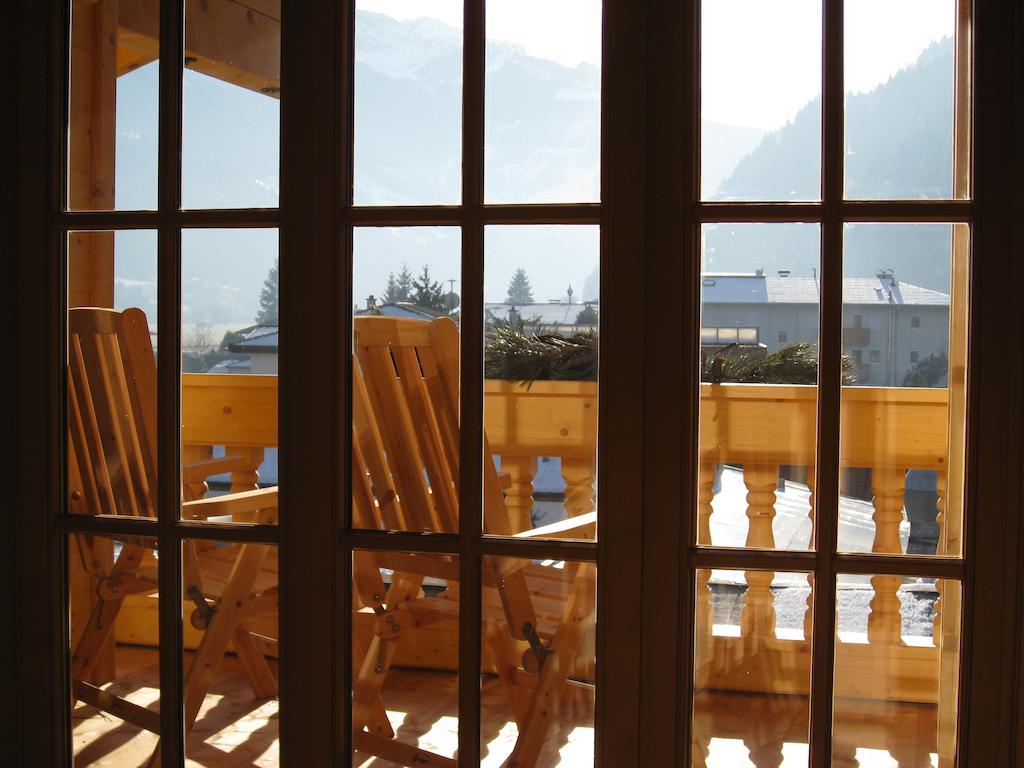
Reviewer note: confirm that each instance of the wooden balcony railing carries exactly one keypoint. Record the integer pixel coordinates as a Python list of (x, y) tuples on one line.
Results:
[(761, 427)]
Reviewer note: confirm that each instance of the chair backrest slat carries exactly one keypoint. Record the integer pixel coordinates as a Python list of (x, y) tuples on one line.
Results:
[(406, 424), (112, 410)]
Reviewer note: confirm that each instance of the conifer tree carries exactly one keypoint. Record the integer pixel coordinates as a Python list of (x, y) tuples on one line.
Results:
[(519, 290), (427, 293), (391, 291), (404, 284), (268, 298)]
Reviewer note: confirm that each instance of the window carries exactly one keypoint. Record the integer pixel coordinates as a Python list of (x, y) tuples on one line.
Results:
[(915, 322), (770, 491), (769, 482)]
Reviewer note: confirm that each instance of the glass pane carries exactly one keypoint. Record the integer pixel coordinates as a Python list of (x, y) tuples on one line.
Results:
[(752, 668), (760, 100), (115, 661), (538, 684), (408, 102), (231, 105), (229, 345), (405, 659), (111, 450), (897, 657), (899, 98), (541, 305), (230, 635), (759, 374), (112, 120), (405, 386), (902, 415), (542, 127)]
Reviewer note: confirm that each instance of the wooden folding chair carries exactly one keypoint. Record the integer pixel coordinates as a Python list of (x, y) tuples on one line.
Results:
[(405, 438), (112, 471)]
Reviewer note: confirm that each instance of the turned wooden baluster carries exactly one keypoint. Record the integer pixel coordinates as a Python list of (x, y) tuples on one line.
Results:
[(519, 496), (940, 549), (192, 454), (764, 754), (757, 619), (809, 613), (885, 620), (703, 617), (247, 479), (844, 755), (578, 474)]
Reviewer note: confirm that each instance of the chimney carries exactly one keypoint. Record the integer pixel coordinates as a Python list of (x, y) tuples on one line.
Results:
[(371, 302), (784, 272), (759, 272)]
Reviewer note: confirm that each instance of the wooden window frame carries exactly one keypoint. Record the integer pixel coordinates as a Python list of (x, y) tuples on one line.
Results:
[(649, 140)]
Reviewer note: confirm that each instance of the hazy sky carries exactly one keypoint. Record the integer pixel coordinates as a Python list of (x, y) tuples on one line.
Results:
[(761, 59)]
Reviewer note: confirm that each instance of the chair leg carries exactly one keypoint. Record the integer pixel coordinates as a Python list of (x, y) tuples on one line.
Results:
[(254, 663), (506, 662), (230, 611), (95, 637), (544, 704), (373, 715)]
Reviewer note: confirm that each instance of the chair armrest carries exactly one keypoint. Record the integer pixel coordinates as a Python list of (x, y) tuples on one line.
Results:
[(569, 524), (230, 504), (200, 470)]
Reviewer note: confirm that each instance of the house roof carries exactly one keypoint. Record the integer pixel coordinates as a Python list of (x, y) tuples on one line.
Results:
[(552, 313), (257, 338), (734, 288)]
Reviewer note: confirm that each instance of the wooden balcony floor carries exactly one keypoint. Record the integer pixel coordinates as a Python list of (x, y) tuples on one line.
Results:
[(234, 729)]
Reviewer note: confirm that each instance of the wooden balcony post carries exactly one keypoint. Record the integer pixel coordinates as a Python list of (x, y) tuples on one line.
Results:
[(578, 474), (519, 497), (703, 616), (757, 619), (885, 623)]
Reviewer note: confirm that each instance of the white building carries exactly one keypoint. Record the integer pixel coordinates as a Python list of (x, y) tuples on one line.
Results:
[(888, 325)]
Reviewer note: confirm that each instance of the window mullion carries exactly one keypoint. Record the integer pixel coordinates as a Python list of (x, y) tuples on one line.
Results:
[(172, 726), (471, 380), (826, 518)]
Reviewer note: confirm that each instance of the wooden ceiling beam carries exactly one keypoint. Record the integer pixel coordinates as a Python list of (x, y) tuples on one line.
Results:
[(234, 41)]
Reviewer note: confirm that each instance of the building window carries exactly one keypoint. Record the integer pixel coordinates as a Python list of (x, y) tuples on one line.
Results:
[(876, 356), (858, 356), (783, 337), (914, 355), (711, 336), (858, 321), (915, 322)]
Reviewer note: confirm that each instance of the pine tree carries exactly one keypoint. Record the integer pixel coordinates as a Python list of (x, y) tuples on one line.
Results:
[(519, 290), (391, 291), (399, 288), (427, 293), (268, 298), (404, 284)]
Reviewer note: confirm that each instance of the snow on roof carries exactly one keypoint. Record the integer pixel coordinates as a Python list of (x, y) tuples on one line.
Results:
[(258, 338), (403, 309), (767, 289)]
